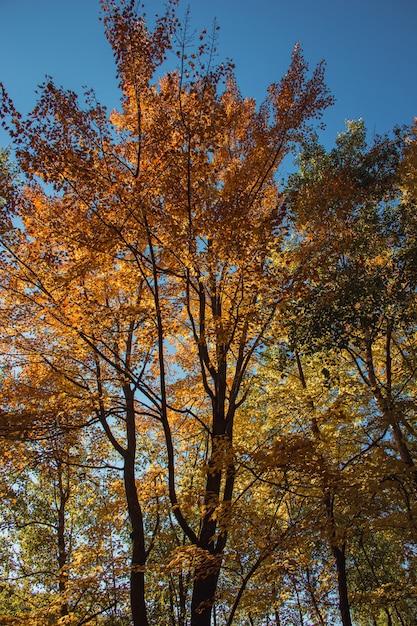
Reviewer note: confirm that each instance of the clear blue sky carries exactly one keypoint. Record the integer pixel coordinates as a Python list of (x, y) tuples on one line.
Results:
[(370, 47)]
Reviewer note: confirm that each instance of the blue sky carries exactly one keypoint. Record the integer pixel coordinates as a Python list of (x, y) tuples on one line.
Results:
[(370, 47)]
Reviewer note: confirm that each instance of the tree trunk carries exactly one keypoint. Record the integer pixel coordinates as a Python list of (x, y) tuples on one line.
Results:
[(204, 591), (277, 618), (62, 549), (339, 556), (340, 560), (137, 573), (207, 574)]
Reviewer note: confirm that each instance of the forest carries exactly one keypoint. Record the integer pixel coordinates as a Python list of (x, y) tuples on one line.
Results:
[(208, 402)]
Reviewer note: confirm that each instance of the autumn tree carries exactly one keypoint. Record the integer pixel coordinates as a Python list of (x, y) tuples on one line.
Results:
[(370, 270), (357, 284), (60, 510), (147, 272), (65, 545), (236, 343)]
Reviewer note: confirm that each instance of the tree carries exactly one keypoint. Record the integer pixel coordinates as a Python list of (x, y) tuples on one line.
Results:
[(60, 510), (148, 271), (357, 299), (370, 270)]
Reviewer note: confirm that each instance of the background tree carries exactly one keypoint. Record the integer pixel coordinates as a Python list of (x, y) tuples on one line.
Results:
[(65, 546), (356, 300)]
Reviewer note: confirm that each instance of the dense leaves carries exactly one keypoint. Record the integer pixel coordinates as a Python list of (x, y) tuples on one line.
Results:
[(200, 369)]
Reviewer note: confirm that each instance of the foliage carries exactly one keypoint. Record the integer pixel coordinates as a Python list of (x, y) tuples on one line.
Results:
[(202, 370)]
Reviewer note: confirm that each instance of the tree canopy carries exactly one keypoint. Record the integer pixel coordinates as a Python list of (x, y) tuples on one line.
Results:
[(207, 401)]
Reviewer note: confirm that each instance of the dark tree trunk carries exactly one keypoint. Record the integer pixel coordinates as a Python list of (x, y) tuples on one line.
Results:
[(62, 549), (338, 549), (137, 573), (204, 591), (339, 556), (207, 574)]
